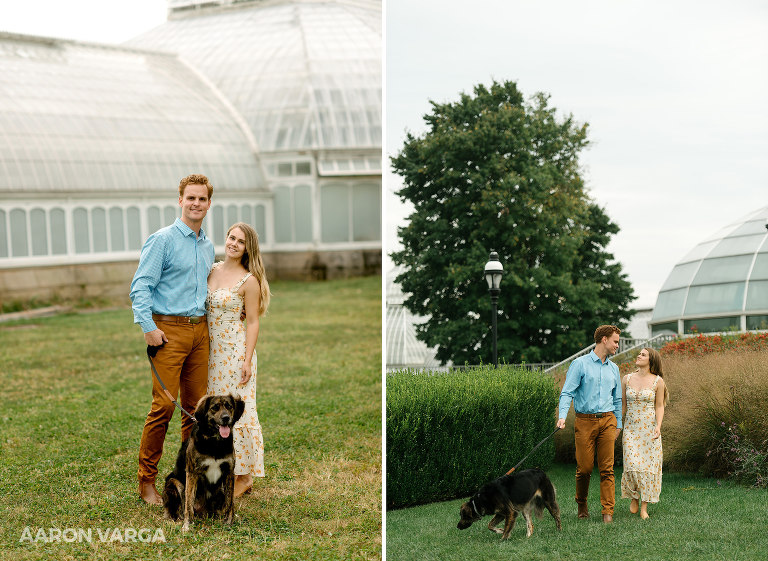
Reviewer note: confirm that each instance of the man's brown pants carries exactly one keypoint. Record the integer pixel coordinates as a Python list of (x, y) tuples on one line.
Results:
[(595, 434), (182, 364)]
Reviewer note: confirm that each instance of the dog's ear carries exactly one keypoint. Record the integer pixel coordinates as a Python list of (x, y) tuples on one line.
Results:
[(238, 408), (201, 409)]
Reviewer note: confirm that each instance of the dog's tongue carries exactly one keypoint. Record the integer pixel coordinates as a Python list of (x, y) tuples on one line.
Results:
[(224, 431)]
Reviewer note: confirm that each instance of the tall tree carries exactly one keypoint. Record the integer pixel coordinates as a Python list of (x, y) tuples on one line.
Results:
[(494, 172)]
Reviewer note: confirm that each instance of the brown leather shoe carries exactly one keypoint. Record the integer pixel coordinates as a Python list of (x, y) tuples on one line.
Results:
[(607, 518), (583, 513), (149, 493)]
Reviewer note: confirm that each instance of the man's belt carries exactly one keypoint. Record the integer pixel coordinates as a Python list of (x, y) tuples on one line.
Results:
[(179, 319), (593, 415)]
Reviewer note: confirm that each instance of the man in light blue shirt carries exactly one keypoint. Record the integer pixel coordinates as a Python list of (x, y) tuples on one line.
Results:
[(594, 385), (168, 293)]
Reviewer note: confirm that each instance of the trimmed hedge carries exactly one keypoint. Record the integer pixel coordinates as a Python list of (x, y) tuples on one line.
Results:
[(450, 432)]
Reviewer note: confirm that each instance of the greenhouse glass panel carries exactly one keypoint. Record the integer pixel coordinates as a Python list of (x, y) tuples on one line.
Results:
[(283, 222), (19, 245), (334, 213), (711, 325), (723, 269), (302, 212), (218, 231), (681, 275), (3, 235), (58, 220), (757, 322), (669, 304), (153, 219), (738, 245), (80, 223), (699, 252), (99, 226), (38, 231), (760, 269), (715, 298), (169, 215), (757, 296), (245, 214), (660, 328), (232, 216), (366, 213), (133, 217), (260, 222), (116, 229)]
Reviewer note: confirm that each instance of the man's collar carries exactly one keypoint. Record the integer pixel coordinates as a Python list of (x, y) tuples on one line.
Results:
[(187, 231), (595, 358)]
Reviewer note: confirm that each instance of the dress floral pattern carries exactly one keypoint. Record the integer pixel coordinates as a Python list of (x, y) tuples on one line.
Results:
[(225, 363), (641, 478)]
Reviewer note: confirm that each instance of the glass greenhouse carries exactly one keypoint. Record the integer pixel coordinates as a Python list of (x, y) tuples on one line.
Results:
[(278, 103), (721, 285)]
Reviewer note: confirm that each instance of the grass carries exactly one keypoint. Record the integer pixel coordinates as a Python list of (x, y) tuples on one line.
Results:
[(696, 519), (76, 392)]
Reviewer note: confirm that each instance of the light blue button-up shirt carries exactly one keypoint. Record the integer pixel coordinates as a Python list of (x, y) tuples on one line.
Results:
[(593, 385), (172, 277)]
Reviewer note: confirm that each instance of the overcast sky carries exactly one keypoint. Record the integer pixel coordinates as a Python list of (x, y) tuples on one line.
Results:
[(675, 94), (102, 21)]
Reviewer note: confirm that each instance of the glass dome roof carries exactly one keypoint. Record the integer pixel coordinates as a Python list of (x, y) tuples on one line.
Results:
[(305, 74), (404, 350), (726, 274), (87, 118)]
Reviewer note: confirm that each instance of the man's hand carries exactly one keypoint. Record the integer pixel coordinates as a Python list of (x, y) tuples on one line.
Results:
[(618, 432), (155, 338), (560, 423)]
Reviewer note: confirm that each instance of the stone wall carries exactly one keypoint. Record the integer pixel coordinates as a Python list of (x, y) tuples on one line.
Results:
[(111, 281)]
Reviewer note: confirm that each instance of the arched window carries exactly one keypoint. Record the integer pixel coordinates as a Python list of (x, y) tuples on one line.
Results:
[(58, 222), (99, 225), (334, 213), (366, 212), (39, 231), (116, 229), (80, 223), (153, 220), (19, 246), (133, 218), (302, 213), (3, 235), (260, 222)]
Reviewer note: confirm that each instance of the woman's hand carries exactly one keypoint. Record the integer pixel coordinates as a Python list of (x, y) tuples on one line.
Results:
[(246, 375), (656, 433)]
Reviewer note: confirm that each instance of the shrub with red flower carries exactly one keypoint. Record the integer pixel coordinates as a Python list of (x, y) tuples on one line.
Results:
[(705, 344)]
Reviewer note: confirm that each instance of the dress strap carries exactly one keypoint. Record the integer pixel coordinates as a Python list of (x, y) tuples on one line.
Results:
[(216, 265), (656, 381), (242, 280)]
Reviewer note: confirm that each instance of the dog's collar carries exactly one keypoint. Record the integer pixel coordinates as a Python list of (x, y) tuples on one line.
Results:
[(475, 508)]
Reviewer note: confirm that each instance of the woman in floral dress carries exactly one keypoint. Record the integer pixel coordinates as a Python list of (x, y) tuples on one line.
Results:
[(236, 286), (645, 395)]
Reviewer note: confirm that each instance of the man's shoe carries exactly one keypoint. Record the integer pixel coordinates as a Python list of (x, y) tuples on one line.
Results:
[(607, 518), (149, 493), (583, 513)]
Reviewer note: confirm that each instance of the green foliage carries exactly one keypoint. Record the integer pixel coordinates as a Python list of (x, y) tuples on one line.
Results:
[(494, 172), (448, 433)]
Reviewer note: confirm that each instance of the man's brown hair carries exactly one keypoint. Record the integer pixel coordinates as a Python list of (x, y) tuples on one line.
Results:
[(195, 179), (605, 331)]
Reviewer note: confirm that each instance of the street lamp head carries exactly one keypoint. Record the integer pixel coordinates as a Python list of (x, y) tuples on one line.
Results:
[(493, 272)]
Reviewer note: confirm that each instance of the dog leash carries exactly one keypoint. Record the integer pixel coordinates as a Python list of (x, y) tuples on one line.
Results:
[(152, 351), (532, 451)]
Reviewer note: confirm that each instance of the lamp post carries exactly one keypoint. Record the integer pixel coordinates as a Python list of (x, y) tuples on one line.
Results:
[(493, 273)]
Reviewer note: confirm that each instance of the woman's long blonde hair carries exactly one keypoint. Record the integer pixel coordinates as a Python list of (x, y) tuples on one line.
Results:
[(252, 262), (654, 365)]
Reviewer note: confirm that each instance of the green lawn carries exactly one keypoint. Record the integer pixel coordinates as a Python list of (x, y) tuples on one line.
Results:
[(76, 391), (697, 519)]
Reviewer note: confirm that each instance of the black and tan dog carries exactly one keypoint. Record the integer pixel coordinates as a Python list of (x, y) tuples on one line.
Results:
[(525, 492), (203, 480)]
